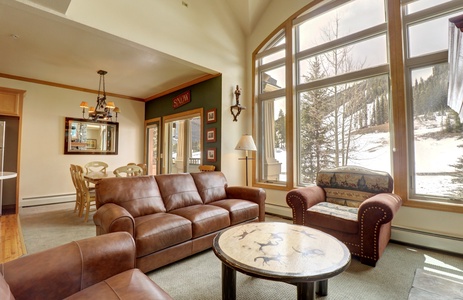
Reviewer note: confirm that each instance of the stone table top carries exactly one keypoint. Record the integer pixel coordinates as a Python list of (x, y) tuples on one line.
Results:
[(282, 251)]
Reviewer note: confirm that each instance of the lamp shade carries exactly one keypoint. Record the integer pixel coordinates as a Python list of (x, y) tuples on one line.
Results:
[(246, 143), (110, 105), (84, 104)]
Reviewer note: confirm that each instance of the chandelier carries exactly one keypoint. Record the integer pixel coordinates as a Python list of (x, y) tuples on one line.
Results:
[(103, 110)]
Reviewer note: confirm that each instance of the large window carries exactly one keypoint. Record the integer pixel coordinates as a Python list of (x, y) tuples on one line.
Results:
[(435, 135), (328, 95)]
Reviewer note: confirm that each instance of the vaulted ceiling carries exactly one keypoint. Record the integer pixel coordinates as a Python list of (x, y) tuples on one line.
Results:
[(38, 45)]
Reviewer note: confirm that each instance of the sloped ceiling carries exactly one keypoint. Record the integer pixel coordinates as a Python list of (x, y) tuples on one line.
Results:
[(37, 44)]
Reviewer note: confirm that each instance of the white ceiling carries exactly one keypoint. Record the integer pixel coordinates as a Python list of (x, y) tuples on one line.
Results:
[(39, 45)]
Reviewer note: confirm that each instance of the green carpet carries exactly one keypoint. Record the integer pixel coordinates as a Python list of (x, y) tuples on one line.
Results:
[(198, 277)]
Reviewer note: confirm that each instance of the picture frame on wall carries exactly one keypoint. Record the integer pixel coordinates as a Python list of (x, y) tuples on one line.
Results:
[(211, 115), (211, 135), (211, 154)]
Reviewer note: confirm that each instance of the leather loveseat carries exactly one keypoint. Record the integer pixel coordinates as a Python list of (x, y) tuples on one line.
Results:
[(173, 216), (101, 267)]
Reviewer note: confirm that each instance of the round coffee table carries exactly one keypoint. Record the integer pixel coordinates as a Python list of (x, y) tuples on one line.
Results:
[(284, 252)]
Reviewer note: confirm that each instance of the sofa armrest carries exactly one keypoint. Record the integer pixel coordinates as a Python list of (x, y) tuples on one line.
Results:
[(59, 272), (302, 199), (256, 195), (379, 209), (111, 217)]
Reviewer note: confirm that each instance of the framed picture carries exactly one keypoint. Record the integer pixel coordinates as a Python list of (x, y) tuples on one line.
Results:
[(211, 115), (211, 135), (91, 143), (211, 154)]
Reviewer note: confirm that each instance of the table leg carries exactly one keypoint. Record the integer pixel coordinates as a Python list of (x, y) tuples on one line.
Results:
[(306, 290), (322, 287), (228, 283)]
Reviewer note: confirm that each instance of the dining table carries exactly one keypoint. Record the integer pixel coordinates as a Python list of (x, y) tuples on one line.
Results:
[(94, 177)]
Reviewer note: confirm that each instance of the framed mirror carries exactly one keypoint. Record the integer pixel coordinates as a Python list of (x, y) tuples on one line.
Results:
[(84, 136)]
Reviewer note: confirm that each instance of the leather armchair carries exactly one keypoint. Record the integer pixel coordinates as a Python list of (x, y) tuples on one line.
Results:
[(101, 267), (354, 204)]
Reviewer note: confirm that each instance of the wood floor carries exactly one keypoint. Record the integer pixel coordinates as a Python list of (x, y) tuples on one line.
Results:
[(11, 238)]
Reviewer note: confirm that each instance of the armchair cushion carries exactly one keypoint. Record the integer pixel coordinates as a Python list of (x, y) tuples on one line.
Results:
[(334, 216), (350, 185)]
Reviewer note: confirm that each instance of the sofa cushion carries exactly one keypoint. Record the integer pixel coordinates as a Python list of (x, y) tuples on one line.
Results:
[(240, 210), (138, 195), (178, 190), (333, 216), (131, 284), (159, 231), (5, 292), (351, 185), (205, 219), (210, 185)]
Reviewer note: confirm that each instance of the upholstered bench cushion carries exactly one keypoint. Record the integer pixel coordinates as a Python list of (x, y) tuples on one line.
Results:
[(204, 218), (131, 284), (333, 216), (240, 210), (160, 231), (350, 185)]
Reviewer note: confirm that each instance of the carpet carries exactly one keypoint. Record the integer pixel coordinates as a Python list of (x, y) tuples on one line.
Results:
[(199, 276)]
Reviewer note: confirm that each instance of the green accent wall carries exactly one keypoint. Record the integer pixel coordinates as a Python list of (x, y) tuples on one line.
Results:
[(206, 95)]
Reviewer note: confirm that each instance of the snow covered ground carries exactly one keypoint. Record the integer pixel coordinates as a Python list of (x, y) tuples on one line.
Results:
[(433, 157)]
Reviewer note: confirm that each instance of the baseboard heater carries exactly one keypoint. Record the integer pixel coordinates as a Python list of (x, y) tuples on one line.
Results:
[(399, 234), (432, 240), (44, 200)]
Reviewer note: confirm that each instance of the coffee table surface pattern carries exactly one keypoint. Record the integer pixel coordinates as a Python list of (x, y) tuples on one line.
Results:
[(286, 252)]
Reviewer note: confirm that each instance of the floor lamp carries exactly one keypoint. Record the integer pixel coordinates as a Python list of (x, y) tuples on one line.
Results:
[(246, 143)]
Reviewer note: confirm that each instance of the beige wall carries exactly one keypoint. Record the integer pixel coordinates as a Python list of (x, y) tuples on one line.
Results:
[(44, 168), (204, 34), (423, 227)]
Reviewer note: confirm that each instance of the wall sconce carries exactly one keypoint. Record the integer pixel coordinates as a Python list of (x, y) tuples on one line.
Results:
[(237, 108)]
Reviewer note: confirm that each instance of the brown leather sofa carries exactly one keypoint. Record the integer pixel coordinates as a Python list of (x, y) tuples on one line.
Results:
[(173, 216), (354, 204), (101, 267)]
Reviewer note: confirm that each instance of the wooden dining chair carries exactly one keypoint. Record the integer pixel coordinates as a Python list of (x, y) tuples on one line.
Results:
[(96, 166), (143, 166), (78, 206), (128, 171), (206, 168), (88, 195)]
